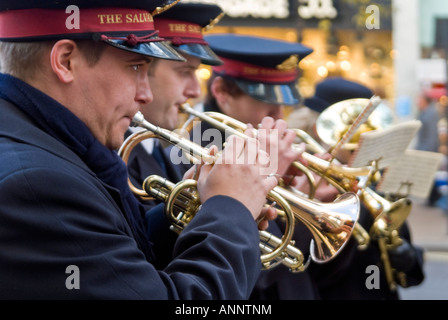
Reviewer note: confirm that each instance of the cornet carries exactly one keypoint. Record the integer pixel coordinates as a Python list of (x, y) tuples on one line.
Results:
[(331, 224), (344, 179), (274, 249), (182, 203), (389, 216), (327, 249)]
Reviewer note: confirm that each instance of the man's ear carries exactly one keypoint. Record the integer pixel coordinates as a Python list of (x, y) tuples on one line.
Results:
[(219, 91), (61, 59)]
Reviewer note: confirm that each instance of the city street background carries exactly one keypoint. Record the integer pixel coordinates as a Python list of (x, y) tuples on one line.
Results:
[(429, 227)]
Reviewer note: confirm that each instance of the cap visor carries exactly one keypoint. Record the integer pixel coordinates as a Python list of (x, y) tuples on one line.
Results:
[(281, 94), (202, 52), (156, 49)]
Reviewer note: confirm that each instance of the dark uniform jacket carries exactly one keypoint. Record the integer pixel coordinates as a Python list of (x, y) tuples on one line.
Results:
[(346, 277), (59, 213), (142, 164)]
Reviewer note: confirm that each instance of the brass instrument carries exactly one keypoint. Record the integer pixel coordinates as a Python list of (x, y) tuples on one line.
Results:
[(335, 120), (182, 203), (342, 178), (385, 232), (389, 216), (327, 241), (224, 122), (347, 179), (274, 250)]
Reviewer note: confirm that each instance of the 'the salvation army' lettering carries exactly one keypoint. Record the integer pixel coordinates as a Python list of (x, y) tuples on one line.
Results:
[(128, 18)]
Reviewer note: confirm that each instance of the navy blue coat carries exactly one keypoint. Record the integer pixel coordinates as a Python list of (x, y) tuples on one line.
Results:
[(56, 213), (141, 165)]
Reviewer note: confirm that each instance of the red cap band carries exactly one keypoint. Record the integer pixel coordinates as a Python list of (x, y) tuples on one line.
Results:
[(47, 22), (238, 69), (182, 31)]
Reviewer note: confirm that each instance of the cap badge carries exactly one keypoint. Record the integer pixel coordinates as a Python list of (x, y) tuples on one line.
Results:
[(290, 63), (169, 4), (213, 22)]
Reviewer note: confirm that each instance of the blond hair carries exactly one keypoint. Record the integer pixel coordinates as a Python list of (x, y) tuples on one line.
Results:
[(23, 59)]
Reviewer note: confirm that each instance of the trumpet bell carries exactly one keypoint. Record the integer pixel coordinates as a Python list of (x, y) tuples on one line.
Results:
[(331, 224), (334, 121), (337, 227), (393, 217)]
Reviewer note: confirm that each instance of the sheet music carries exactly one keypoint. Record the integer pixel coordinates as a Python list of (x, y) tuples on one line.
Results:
[(384, 145), (414, 168)]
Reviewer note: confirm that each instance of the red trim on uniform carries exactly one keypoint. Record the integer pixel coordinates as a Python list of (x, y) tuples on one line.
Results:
[(44, 22), (180, 30), (238, 69)]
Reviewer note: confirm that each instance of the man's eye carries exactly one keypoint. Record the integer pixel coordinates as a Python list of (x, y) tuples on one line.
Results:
[(136, 67)]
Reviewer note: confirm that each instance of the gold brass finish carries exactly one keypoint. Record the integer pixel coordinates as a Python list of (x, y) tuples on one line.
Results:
[(169, 192), (335, 120), (389, 215), (325, 225)]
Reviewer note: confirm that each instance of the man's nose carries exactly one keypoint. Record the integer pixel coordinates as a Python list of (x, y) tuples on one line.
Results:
[(144, 93), (193, 89)]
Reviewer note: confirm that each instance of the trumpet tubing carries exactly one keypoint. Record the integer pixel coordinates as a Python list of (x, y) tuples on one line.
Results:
[(292, 257), (389, 215), (182, 203), (171, 194), (223, 122), (346, 179), (328, 240)]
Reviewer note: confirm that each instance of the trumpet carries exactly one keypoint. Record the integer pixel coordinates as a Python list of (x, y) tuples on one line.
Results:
[(353, 179), (331, 224), (326, 250), (274, 250), (389, 216), (182, 203)]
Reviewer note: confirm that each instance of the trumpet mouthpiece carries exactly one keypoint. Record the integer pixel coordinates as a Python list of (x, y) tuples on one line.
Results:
[(138, 119)]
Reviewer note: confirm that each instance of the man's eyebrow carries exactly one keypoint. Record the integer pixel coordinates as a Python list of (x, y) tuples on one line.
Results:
[(140, 59), (187, 66)]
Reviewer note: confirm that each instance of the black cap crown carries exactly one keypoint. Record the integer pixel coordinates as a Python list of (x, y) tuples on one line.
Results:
[(62, 4), (264, 68), (335, 89), (127, 25), (184, 24)]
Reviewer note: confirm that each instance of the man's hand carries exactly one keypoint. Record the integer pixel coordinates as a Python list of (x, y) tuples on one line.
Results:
[(277, 140), (237, 173)]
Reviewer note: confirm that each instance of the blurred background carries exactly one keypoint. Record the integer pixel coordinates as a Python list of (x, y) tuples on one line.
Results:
[(399, 49)]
